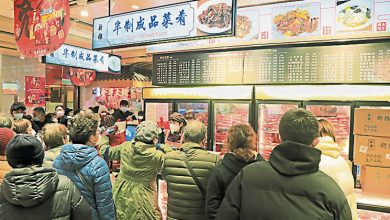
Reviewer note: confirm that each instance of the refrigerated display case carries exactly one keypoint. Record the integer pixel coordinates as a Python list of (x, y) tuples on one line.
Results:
[(227, 114), (340, 115), (268, 118), (159, 112)]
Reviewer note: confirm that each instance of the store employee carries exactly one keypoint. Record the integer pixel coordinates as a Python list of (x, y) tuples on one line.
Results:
[(123, 113)]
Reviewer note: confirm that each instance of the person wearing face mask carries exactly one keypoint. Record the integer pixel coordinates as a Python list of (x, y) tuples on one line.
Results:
[(54, 137), (123, 113), (135, 190), (174, 136), (39, 119), (18, 111), (80, 162), (24, 126), (60, 114)]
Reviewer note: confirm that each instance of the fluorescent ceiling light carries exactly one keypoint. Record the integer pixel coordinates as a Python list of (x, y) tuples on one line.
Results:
[(135, 7)]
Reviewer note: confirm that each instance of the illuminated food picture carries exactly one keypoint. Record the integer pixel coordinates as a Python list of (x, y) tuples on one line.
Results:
[(354, 16), (244, 26), (216, 16), (296, 22)]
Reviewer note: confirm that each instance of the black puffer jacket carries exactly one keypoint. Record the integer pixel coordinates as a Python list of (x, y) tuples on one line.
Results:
[(40, 193), (289, 186), (220, 179)]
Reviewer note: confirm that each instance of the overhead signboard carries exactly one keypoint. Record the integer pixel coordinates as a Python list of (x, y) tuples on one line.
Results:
[(194, 19), (297, 21), (78, 57)]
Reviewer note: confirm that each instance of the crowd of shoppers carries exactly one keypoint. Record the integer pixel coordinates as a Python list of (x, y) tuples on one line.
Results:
[(59, 169)]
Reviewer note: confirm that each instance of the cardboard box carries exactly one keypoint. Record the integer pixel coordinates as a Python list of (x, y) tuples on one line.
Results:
[(372, 151), (375, 180), (373, 122)]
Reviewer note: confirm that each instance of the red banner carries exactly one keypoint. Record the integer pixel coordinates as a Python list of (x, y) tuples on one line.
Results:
[(35, 91), (40, 26), (81, 77)]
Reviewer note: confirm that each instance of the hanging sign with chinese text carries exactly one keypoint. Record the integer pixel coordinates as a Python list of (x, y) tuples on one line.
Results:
[(40, 26), (187, 20), (81, 77), (72, 56)]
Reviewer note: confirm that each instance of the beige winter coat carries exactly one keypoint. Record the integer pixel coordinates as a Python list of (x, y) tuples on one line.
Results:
[(338, 168)]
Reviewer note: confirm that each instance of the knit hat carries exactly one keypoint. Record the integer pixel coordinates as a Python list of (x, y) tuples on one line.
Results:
[(6, 135), (24, 150), (147, 131), (178, 117)]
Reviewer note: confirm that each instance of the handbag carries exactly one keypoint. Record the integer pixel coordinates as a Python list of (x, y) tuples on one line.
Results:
[(192, 173)]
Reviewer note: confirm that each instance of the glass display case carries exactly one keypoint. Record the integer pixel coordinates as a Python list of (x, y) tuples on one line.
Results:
[(159, 112), (269, 115), (227, 114), (339, 114)]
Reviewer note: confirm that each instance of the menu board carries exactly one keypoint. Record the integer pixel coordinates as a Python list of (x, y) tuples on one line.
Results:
[(198, 68), (359, 63)]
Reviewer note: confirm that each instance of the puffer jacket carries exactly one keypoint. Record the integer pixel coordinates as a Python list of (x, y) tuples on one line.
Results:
[(220, 179), (40, 193), (94, 170), (288, 187), (50, 156), (4, 167), (338, 168), (185, 200), (135, 190)]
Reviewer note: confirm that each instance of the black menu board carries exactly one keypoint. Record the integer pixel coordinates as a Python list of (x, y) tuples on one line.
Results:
[(358, 63), (355, 63), (198, 68)]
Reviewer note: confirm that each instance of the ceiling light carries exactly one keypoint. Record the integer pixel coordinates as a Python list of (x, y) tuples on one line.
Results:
[(84, 13), (135, 7)]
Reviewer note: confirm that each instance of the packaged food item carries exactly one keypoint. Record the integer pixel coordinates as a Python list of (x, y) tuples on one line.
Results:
[(375, 180), (374, 122), (372, 151)]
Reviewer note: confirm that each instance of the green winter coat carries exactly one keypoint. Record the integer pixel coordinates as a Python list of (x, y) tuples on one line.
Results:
[(135, 190), (50, 156), (185, 201)]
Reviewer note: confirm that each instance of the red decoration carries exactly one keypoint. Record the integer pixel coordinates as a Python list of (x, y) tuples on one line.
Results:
[(82, 77), (40, 26), (35, 91)]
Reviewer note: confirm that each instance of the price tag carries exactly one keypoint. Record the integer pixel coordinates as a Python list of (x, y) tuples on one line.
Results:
[(387, 156), (363, 149)]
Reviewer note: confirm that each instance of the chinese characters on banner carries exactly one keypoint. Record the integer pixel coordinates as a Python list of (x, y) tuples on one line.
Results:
[(179, 21), (35, 91), (81, 77), (113, 96), (40, 26), (72, 56)]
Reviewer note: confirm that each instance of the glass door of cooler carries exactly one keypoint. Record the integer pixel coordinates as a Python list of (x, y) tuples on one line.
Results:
[(159, 112), (268, 118), (339, 114), (227, 114), (195, 110)]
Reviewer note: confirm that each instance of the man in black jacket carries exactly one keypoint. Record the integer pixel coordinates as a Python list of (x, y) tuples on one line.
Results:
[(289, 186), (123, 113), (40, 119)]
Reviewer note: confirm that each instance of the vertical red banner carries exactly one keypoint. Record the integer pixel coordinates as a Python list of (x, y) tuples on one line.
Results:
[(40, 26), (35, 91)]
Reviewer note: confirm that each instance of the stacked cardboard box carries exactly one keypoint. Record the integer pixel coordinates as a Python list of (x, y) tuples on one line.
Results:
[(372, 149)]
